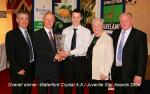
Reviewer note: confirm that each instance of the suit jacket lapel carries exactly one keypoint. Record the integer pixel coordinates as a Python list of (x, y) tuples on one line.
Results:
[(20, 35), (44, 34)]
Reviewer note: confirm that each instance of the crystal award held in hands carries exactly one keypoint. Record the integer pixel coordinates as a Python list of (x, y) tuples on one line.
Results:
[(59, 41)]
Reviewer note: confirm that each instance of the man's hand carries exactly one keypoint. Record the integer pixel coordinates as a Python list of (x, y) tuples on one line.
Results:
[(137, 80), (65, 54), (21, 72), (58, 57)]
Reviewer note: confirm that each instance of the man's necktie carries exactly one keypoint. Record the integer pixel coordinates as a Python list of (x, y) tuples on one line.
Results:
[(120, 49), (30, 46), (73, 43), (51, 40)]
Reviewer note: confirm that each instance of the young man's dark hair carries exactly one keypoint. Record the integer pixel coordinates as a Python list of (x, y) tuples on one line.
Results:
[(77, 11)]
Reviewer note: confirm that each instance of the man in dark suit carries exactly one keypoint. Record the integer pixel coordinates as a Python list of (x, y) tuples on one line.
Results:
[(130, 47), (47, 70), (20, 54)]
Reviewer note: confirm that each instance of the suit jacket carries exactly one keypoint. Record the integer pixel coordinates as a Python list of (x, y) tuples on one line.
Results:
[(103, 56), (18, 53), (134, 55), (44, 56)]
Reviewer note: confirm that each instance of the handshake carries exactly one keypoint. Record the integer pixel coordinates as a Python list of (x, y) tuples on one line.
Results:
[(61, 55)]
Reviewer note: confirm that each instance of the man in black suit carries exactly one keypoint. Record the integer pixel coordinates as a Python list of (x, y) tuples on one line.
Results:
[(20, 54), (47, 70), (130, 47)]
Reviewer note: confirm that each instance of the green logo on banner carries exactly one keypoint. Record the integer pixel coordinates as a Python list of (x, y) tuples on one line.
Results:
[(112, 13), (38, 25)]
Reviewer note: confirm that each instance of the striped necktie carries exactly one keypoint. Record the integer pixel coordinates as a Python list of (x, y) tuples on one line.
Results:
[(51, 40)]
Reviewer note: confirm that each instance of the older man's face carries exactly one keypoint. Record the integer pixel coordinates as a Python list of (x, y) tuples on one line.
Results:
[(48, 21), (126, 22)]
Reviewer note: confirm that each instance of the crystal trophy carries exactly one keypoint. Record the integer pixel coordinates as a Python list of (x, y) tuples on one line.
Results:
[(59, 42)]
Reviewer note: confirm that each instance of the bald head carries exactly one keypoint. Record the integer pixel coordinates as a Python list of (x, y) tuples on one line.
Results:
[(48, 13), (48, 20)]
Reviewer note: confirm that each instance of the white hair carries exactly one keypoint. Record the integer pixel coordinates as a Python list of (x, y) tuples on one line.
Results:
[(100, 20)]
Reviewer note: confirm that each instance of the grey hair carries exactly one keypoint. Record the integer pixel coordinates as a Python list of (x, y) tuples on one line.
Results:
[(126, 14), (22, 12), (98, 19)]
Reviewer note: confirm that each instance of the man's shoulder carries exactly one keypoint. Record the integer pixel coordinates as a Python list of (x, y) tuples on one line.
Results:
[(9, 34), (12, 32), (117, 30), (82, 27), (39, 31), (139, 32), (85, 30), (67, 29)]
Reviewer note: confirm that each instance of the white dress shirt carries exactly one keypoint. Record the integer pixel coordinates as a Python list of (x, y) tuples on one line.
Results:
[(82, 40), (127, 32)]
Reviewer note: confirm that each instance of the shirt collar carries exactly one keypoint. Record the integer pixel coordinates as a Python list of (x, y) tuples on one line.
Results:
[(22, 29), (78, 27), (47, 30), (127, 31)]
